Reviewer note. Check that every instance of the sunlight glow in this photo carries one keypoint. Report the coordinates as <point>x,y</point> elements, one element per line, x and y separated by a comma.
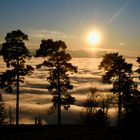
<point>94,38</point>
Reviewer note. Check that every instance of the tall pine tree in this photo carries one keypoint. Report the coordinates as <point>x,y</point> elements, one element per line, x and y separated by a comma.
<point>118,72</point>
<point>59,68</point>
<point>14,54</point>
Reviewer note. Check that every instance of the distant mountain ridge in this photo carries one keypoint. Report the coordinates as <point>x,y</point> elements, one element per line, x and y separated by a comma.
<point>80,53</point>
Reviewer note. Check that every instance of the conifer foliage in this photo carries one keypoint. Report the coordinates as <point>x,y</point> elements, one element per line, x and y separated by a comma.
<point>14,53</point>
<point>59,68</point>
<point>119,73</point>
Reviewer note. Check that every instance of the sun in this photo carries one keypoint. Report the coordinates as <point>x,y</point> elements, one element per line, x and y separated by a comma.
<point>94,38</point>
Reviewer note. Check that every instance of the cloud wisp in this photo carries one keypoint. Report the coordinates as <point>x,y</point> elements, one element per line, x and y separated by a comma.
<point>122,44</point>
<point>112,18</point>
<point>50,34</point>
<point>36,35</point>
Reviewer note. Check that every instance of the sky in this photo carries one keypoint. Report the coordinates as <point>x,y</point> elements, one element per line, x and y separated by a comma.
<point>118,22</point>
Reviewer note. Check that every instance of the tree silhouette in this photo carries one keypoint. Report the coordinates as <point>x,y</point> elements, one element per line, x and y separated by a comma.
<point>118,72</point>
<point>59,68</point>
<point>92,113</point>
<point>138,70</point>
<point>88,116</point>
<point>7,80</point>
<point>131,103</point>
<point>14,53</point>
<point>3,112</point>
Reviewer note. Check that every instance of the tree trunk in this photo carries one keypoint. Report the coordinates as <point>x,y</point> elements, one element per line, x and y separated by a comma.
<point>10,116</point>
<point>59,96</point>
<point>119,109</point>
<point>119,103</point>
<point>17,97</point>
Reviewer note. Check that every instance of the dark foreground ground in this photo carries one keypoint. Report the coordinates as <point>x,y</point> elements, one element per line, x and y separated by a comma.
<point>67,132</point>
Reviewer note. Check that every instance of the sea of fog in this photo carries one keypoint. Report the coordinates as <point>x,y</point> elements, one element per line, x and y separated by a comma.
<point>35,99</point>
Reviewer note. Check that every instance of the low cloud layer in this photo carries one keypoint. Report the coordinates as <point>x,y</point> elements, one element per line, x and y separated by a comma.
<point>35,99</point>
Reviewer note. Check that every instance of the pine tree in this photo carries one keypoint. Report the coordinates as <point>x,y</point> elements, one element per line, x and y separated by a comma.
<point>14,53</point>
<point>59,68</point>
<point>117,72</point>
